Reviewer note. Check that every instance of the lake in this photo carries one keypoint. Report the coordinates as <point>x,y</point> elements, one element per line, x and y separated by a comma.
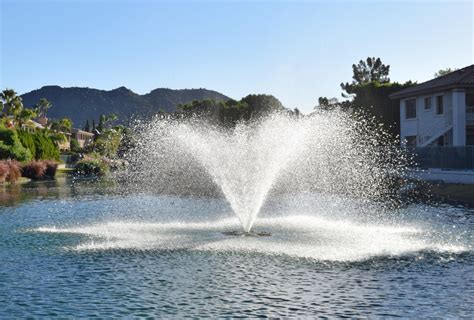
<point>83,248</point>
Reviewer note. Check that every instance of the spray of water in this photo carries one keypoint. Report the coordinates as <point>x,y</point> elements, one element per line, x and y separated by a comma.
<point>331,152</point>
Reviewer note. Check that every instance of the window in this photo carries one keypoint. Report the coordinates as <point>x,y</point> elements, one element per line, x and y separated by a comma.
<point>439,104</point>
<point>410,109</point>
<point>428,103</point>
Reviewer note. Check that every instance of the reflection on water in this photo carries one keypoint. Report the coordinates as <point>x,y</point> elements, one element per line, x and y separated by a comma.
<point>63,187</point>
<point>83,248</point>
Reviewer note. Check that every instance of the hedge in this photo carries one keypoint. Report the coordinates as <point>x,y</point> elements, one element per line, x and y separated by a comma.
<point>40,145</point>
<point>11,146</point>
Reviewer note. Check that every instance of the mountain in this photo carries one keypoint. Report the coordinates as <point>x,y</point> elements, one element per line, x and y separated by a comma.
<point>82,104</point>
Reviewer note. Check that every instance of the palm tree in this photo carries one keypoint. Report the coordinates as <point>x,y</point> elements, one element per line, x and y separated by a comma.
<point>43,107</point>
<point>11,102</point>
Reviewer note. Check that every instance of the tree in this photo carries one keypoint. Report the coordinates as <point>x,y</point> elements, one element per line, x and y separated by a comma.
<point>43,107</point>
<point>87,127</point>
<point>443,72</point>
<point>65,125</point>
<point>104,120</point>
<point>230,112</point>
<point>11,103</point>
<point>371,70</point>
<point>330,104</point>
<point>24,115</point>
<point>100,126</point>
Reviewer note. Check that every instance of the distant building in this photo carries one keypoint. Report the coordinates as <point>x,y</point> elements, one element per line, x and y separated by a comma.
<point>65,145</point>
<point>83,138</point>
<point>439,112</point>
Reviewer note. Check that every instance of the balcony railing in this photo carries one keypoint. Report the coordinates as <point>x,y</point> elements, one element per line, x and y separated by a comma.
<point>460,158</point>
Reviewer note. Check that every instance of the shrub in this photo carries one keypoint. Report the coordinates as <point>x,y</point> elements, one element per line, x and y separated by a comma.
<point>34,170</point>
<point>11,147</point>
<point>4,170</point>
<point>27,141</point>
<point>39,170</point>
<point>91,167</point>
<point>75,145</point>
<point>14,172</point>
<point>45,147</point>
<point>51,168</point>
<point>40,145</point>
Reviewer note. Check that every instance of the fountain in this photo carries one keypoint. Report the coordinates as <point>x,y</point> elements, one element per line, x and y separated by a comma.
<point>279,154</point>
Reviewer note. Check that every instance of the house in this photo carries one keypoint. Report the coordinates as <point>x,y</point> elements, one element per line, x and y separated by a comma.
<point>439,112</point>
<point>84,138</point>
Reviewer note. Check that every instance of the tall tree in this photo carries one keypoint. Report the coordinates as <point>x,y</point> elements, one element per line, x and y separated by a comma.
<point>43,107</point>
<point>87,127</point>
<point>101,124</point>
<point>11,102</point>
<point>370,70</point>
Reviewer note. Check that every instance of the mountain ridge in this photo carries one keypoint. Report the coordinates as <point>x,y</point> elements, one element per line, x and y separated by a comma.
<point>83,103</point>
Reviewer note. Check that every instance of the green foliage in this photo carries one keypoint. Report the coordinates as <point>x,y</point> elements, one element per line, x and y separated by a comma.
<point>40,145</point>
<point>26,114</point>
<point>11,146</point>
<point>45,147</point>
<point>91,167</point>
<point>27,141</point>
<point>230,112</point>
<point>75,146</point>
<point>371,70</point>
<point>87,127</point>
<point>63,125</point>
<point>373,100</point>
<point>11,102</point>
<point>43,107</point>
<point>107,143</point>
<point>105,121</point>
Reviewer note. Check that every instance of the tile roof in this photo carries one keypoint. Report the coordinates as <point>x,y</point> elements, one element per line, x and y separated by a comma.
<point>462,78</point>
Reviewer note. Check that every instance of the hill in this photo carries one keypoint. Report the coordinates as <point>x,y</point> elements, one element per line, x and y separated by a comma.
<point>81,104</point>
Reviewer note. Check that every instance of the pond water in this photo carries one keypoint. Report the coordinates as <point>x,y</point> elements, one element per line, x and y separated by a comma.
<point>82,249</point>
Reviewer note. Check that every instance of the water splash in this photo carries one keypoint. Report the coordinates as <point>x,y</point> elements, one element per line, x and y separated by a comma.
<point>330,152</point>
<point>296,235</point>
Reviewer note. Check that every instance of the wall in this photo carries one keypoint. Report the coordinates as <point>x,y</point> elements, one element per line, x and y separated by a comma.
<point>427,122</point>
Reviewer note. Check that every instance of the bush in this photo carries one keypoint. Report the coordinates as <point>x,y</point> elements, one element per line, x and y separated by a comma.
<point>14,172</point>
<point>45,147</point>
<point>11,146</point>
<point>91,167</point>
<point>27,141</point>
<point>41,146</point>
<point>75,146</point>
<point>4,170</point>
<point>39,170</point>
<point>51,168</point>
<point>34,170</point>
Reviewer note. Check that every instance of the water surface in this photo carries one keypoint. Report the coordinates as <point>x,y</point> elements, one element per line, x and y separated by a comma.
<point>82,249</point>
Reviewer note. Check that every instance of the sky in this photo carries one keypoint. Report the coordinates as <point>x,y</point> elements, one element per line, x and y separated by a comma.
<point>294,50</point>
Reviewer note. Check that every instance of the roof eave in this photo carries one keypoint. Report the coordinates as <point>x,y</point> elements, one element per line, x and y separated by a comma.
<point>402,94</point>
